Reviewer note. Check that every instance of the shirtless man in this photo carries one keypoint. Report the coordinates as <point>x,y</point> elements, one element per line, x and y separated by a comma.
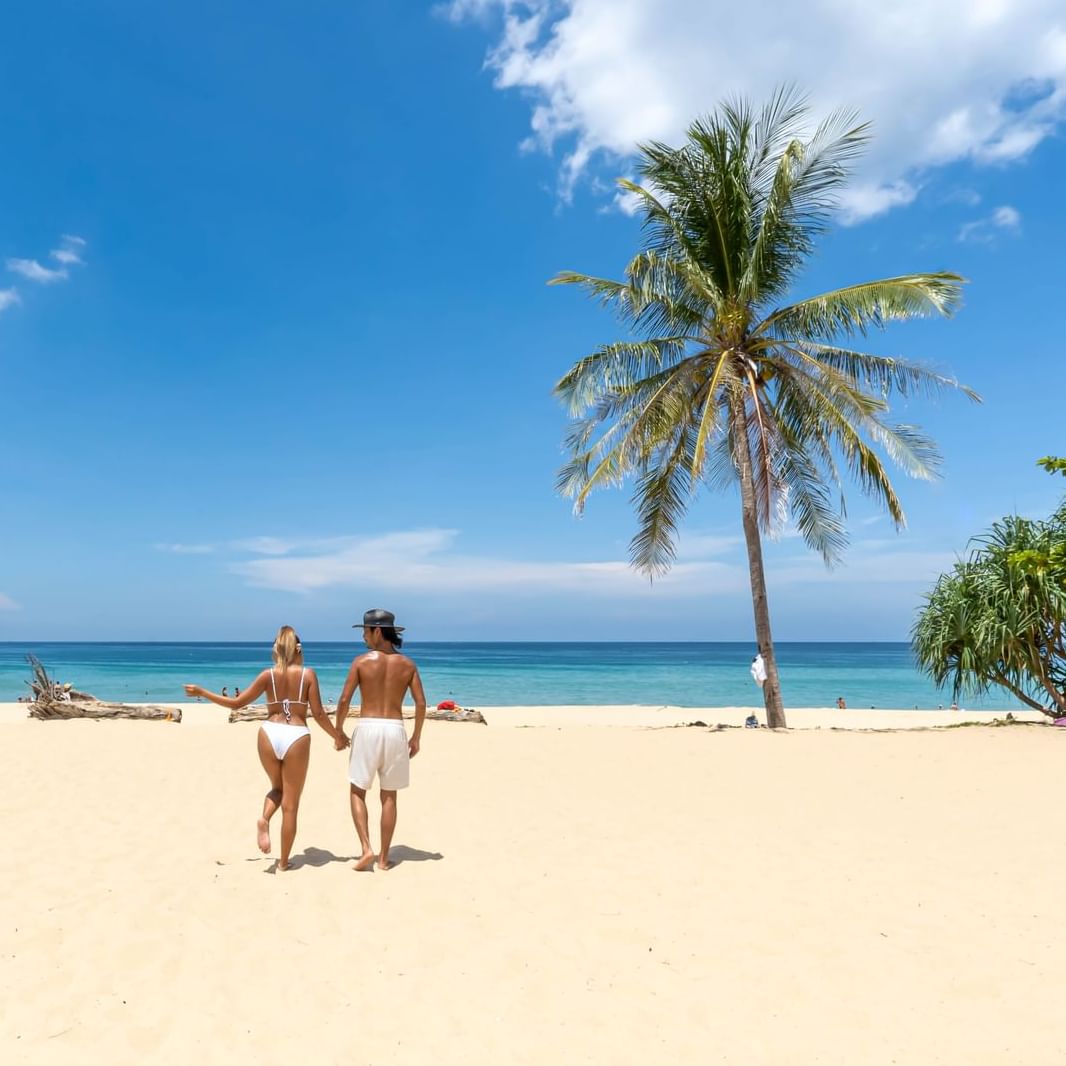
<point>380,744</point>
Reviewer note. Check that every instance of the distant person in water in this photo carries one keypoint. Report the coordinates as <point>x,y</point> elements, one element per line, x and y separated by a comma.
<point>236,691</point>
<point>841,705</point>
<point>284,741</point>
<point>224,692</point>
<point>380,746</point>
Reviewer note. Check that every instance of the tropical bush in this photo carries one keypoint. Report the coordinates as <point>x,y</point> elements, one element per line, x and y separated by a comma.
<point>998,618</point>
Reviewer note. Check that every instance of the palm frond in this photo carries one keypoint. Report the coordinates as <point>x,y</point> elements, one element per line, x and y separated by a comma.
<point>794,206</point>
<point>712,407</point>
<point>858,308</point>
<point>821,402</point>
<point>640,418</point>
<point>615,366</point>
<point>661,497</point>
<point>781,122</point>
<point>819,523</point>
<point>884,374</point>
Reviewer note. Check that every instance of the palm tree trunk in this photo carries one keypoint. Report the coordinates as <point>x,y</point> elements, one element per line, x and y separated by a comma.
<point>771,690</point>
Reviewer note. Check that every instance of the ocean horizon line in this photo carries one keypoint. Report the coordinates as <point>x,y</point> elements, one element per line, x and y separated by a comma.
<point>412,641</point>
<point>519,673</point>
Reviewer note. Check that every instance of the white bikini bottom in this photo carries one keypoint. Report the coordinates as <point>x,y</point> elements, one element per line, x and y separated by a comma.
<point>282,736</point>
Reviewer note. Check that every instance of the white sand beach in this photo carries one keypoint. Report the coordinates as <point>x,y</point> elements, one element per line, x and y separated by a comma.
<point>564,893</point>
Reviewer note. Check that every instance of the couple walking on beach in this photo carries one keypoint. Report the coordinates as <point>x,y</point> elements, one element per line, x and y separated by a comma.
<point>379,746</point>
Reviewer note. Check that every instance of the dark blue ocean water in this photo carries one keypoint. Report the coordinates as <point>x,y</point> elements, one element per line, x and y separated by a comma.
<point>686,675</point>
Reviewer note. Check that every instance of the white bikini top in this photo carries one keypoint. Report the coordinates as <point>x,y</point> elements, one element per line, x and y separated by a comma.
<point>286,703</point>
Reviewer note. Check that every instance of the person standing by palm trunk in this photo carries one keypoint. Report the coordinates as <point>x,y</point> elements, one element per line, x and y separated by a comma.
<point>722,384</point>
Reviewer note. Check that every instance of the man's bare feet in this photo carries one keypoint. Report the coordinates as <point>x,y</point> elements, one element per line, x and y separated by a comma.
<point>264,836</point>
<point>283,867</point>
<point>384,864</point>
<point>365,861</point>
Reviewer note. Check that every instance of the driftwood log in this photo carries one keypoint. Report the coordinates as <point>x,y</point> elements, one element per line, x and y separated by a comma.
<point>54,712</point>
<point>258,713</point>
<point>54,702</point>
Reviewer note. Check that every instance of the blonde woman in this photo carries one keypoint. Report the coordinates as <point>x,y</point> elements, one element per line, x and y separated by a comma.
<point>284,741</point>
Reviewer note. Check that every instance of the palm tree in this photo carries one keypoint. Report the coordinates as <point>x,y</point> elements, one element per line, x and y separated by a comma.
<point>719,383</point>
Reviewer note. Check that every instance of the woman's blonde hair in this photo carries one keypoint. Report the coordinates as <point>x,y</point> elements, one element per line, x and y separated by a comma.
<point>286,647</point>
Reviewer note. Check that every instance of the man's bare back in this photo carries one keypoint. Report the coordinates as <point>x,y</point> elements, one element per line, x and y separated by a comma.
<point>383,676</point>
<point>383,680</point>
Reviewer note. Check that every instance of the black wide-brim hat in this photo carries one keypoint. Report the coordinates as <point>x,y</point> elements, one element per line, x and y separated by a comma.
<point>378,619</point>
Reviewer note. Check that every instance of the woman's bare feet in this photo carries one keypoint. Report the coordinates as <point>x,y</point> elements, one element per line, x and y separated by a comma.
<point>365,861</point>
<point>264,835</point>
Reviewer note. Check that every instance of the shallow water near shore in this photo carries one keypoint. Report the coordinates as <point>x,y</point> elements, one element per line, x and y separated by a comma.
<point>500,674</point>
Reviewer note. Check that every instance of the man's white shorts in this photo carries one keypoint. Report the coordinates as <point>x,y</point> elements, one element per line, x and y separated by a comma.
<point>380,747</point>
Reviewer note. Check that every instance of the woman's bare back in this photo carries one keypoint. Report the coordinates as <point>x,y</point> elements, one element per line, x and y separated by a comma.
<point>285,684</point>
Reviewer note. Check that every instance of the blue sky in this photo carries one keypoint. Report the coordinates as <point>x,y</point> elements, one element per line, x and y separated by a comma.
<point>277,344</point>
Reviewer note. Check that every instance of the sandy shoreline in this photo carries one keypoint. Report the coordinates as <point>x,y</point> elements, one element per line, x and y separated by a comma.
<point>621,715</point>
<point>564,894</point>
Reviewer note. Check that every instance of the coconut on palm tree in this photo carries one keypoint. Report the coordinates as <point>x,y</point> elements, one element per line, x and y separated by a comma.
<point>722,382</point>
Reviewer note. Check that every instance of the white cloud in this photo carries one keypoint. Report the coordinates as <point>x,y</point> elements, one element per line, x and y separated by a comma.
<point>186,549</point>
<point>965,196</point>
<point>9,297</point>
<point>703,545</point>
<point>866,199</point>
<point>426,561</point>
<point>983,80</point>
<point>7,603</point>
<point>69,251</point>
<point>34,271</point>
<point>430,562</point>
<point>265,545</point>
<point>1005,219</point>
<point>870,563</point>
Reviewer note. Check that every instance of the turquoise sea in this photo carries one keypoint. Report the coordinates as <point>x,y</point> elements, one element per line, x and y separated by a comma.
<point>686,675</point>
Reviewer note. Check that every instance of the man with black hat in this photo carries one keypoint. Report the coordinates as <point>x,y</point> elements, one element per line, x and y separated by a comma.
<point>380,745</point>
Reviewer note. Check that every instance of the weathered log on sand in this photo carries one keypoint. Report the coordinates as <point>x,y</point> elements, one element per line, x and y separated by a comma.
<point>52,711</point>
<point>55,702</point>
<point>460,714</point>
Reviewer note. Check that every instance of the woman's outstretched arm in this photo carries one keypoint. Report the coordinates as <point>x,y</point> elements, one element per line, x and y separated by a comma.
<point>234,703</point>
<point>314,701</point>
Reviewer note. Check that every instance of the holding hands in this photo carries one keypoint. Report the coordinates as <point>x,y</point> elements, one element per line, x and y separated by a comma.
<point>341,741</point>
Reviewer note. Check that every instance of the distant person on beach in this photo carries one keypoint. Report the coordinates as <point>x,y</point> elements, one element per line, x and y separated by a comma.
<point>291,689</point>
<point>236,691</point>
<point>841,704</point>
<point>379,744</point>
<point>224,692</point>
